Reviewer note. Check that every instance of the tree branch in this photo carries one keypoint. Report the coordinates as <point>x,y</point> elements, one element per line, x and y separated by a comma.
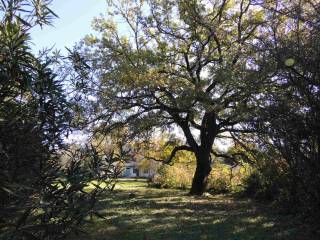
<point>172,155</point>
<point>177,149</point>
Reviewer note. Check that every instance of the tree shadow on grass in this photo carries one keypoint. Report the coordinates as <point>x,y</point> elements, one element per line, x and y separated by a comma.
<point>151,214</point>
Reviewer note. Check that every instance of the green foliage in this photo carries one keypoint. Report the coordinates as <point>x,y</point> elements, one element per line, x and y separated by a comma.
<point>286,117</point>
<point>55,202</point>
<point>262,186</point>
<point>39,197</point>
<point>222,179</point>
<point>272,179</point>
<point>164,64</point>
<point>177,176</point>
<point>225,178</point>
<point>219,185</point>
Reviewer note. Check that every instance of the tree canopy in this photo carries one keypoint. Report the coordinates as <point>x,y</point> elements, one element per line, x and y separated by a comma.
<point>161,81</point>
<point>189,64</point>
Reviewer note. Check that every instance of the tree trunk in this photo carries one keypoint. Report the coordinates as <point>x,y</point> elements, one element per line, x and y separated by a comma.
<point>203,169</point>
<point>208,132</point>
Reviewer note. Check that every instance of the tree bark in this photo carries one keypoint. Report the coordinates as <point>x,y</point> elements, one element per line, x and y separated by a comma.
<point>203,169</point>
<point>208,133</point>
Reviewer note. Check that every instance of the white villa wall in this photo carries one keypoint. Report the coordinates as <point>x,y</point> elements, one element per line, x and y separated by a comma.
<point>146,174</point>
<point>131,170</point>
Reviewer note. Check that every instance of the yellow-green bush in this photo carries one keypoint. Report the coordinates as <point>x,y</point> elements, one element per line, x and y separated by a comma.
<point>223,178</point>
<point>176,176</point>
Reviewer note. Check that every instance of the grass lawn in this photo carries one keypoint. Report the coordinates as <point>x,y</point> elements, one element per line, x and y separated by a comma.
<point>135,211</point>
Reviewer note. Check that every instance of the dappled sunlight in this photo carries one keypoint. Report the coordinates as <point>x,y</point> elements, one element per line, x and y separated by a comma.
<point>168,120</point>
<point>136,211</point>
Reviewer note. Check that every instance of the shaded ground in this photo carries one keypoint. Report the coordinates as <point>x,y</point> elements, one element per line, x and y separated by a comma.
<point>137,212</point>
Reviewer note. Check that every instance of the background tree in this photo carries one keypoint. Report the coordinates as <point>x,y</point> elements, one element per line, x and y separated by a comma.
<point>184,64</point>
<point>287,113</point>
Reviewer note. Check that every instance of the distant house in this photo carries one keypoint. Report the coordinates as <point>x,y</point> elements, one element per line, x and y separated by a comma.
<point>132,170</point>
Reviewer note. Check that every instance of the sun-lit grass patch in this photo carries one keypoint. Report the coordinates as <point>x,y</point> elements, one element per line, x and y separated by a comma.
<point>268,224</point>
<point>255,219</point>
<point>135,211</point>
<point>216,221</point>
<point>93,184</point>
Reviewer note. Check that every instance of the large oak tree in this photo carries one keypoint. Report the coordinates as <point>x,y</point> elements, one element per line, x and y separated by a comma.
<point>177,63</point>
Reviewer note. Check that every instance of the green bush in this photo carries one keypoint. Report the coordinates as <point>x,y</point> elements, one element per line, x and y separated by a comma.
<point>263,185</point>
<point>219,185</point>
<point>177,176</point>
<point>252,184</point>
<point>40,198</point>
<point>223,178</point>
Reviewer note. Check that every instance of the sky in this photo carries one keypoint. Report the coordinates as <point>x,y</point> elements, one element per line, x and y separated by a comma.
<point>74,22</point>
